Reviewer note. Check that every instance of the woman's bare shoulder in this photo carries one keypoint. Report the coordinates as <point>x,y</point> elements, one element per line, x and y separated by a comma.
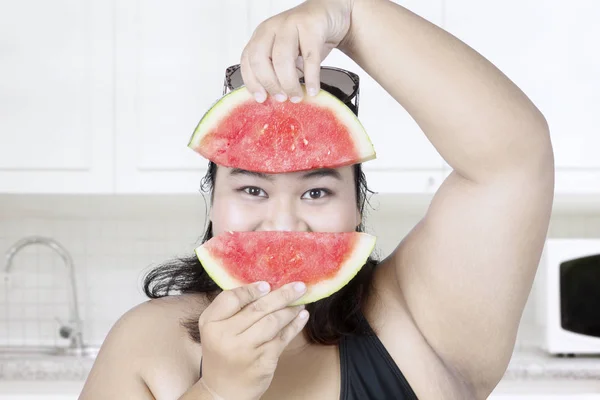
<point>160,322</point>
<point>148,342</point>
<point>173,307</point>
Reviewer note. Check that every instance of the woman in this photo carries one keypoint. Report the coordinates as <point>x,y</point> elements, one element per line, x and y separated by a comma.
<point>437,319</point>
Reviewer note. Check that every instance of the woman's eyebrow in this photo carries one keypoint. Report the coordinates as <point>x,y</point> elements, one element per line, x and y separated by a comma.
<point>323,172</point>
<point>318,173</point>
<point>239,171</point>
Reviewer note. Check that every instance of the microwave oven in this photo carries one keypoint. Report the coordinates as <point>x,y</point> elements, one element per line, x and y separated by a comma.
<point>569,280</point>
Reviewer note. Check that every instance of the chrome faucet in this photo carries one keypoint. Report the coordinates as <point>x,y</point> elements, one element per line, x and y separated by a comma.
<point>73,330</point>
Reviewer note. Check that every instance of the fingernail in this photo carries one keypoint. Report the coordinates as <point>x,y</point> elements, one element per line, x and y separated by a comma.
<point>312,91</point>
<point>303,314</point>
<point>260,97</point>
<point>296,99</point>
<point>263,287</point>
<point>280,97</point>
<point>299,287</point>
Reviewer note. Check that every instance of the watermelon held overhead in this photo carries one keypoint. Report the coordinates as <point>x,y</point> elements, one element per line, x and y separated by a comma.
<point>324,261</point>
<point>274,137</point>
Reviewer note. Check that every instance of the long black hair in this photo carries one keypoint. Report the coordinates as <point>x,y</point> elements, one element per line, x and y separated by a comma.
<point>330,318</point>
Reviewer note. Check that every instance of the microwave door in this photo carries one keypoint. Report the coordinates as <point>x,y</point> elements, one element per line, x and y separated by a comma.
<point>580,295</point>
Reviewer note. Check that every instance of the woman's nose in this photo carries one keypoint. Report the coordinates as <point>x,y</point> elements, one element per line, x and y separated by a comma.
<point>282,215</point>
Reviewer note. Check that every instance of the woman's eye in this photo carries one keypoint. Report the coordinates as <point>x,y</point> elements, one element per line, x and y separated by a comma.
<point>254,191</point>
<point>315,194</point>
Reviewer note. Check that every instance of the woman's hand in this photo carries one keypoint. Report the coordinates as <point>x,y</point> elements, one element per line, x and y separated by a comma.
<point>292,43</point>
<point>243,333</point>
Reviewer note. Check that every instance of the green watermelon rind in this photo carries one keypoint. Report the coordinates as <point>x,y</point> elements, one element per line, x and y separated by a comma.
<point>217,111</point>
<point>224,105</point>
<point>362,249</point>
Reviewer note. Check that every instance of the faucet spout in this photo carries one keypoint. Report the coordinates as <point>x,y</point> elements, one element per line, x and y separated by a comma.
<point>76,337</point>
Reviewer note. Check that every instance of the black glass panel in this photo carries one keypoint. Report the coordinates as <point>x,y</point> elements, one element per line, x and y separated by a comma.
<point>580,295</point>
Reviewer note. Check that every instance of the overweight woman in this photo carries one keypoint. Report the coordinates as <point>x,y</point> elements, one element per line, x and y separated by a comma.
<point>436,319</point>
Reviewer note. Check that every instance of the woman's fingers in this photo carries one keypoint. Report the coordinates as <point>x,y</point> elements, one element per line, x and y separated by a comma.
<point>251,81</point>
<point>310,50</point>
<point>272,61</point>
<point>275,346</point>
<point>257,70</point>
<point>271,325</point>
<point>285,53</point>
<point>229,302</point>
<point>259,62</point>
<point>276,300</point>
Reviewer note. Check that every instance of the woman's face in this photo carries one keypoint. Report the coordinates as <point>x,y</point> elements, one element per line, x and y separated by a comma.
<point>312,201</point>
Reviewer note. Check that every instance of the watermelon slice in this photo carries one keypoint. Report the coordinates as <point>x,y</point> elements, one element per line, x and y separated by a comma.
<point>325,261</point>
<point>274,137</point>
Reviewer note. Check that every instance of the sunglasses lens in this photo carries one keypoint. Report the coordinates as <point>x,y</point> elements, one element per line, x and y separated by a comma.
<point>235,79</point>
<point>338,83</point>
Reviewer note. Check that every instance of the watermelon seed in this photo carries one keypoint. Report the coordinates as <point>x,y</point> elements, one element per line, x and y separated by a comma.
<point>293,147</point>
<point>305,141</point>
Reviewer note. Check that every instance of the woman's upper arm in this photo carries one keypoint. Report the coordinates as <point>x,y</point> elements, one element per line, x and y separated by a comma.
<point>466,270</point>
<point>116,373</point>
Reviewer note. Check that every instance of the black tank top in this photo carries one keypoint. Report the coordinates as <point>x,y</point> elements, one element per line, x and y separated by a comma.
<point>368,372</point>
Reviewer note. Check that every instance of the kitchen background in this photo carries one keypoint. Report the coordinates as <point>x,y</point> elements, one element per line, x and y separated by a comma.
<point>99,98</point>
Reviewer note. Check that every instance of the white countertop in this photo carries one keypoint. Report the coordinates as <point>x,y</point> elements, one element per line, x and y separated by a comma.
<point>531,375</point>
<point>46,390</point>
<point>533,363</point>
<point>62,377</point>
<point>527,363</point>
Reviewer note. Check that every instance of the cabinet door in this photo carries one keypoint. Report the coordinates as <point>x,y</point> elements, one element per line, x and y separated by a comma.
<point>406,160</point>
<point>56,91</point>
<point>170,63</point>
<point>550,51</point>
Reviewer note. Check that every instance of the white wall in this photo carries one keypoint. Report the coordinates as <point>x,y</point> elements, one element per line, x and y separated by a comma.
<point>114,240</point>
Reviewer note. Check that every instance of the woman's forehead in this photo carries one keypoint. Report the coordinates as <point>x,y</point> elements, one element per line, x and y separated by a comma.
<point>341,174</point>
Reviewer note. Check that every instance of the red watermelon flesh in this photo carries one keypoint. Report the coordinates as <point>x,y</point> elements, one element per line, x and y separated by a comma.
<point>274,137</point>
<point>324,261</point>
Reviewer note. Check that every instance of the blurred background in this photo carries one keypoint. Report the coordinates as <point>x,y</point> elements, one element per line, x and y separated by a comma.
<point>98,99</point>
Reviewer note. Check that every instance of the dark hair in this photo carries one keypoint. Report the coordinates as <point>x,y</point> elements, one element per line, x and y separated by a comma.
<point>330,318</point>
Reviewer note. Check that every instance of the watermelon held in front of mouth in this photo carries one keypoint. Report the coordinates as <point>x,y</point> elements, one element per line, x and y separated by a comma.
<point>324,261</point>
<point>274,137</point>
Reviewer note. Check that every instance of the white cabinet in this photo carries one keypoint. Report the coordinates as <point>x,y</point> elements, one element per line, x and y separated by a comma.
<point>170,63</point>
<point>551,52</point>
<point>56,92</point>
<point>102,97</point>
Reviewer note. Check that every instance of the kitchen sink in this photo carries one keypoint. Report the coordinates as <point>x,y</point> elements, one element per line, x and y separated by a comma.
<point>34,351</point>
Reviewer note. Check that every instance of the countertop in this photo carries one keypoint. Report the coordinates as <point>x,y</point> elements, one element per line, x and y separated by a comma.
<point>45,368</point>
<point>531,363</point>
<point>527,363</point>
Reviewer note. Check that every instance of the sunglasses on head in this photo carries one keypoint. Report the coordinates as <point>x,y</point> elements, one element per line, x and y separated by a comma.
<point>343,84</point>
